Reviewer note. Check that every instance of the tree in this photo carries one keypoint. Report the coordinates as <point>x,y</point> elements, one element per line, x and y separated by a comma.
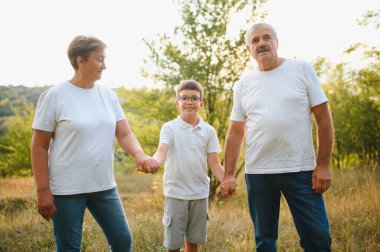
<point>354,98</point>
<point>202,48</point>
<point>371,17</point>
<point>15,143</point>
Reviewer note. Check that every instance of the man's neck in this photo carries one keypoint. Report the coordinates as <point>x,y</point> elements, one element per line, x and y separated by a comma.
<point>270,65</point>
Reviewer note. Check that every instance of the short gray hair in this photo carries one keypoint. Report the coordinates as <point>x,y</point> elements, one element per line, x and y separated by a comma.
<point>82,46</point>
<point>249,31</point>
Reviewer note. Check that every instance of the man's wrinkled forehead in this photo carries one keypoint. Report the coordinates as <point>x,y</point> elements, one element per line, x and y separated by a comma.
<point>270,30</point>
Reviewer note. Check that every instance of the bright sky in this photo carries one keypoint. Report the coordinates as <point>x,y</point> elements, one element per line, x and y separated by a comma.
<point>35,34</point>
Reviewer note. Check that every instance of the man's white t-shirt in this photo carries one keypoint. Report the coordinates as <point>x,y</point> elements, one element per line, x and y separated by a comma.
<point>82,148</point>
<point>276,106</point>
<point>185,175</point>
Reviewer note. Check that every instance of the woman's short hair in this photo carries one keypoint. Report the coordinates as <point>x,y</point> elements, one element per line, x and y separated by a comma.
<point>189,85</point>
<point>82,46</point>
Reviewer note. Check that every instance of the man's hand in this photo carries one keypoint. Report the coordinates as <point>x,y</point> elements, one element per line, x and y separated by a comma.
<point>321,179</point>
<point>45,204</point>
<point>228,186</point>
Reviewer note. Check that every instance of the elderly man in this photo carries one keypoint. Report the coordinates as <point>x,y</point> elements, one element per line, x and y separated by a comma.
<point>273,106</point>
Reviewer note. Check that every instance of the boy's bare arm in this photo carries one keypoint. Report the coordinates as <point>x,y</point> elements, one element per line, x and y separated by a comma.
<point>215,166</point>
<point>161,153</point>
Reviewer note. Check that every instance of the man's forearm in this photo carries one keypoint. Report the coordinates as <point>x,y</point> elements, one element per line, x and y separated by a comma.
<point>325,135</point>
<point>325,144</point>
<point>234,140</point>
<point>230,159</point>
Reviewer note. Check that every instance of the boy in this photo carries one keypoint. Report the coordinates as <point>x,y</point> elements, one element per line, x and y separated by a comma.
<point>185,144</point>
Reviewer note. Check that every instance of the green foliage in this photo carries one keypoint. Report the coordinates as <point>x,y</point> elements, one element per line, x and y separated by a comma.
<point>146,111</point>
<point>202,48</point>
<point>14,96</point>
<point>354,99</point>
<point>15,142</point>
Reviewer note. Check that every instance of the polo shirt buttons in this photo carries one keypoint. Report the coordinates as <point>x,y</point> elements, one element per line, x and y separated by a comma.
<point>192,138</point>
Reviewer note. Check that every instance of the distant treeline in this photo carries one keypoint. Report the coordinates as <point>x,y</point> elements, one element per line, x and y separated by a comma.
<point>12,97</point>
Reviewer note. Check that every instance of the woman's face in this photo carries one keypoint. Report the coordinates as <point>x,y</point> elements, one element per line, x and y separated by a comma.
<point>93,67</point>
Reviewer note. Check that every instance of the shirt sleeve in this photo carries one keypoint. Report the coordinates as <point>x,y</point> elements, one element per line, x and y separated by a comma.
<point>45,115</point>
<point>118,109</point>
<point>213,142</point>
<point>314,87</point>
<point>237,113</point>
<point>166,134</point>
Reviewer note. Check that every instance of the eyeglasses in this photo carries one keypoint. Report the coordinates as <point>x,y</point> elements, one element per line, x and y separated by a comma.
<point>194,99</point>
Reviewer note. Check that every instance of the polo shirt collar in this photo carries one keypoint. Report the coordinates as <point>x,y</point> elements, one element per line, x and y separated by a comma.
<point>187,125</point>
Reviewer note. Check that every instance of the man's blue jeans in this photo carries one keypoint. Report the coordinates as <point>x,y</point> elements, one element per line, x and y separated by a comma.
<point>307,208</point>
<point>107,210</point>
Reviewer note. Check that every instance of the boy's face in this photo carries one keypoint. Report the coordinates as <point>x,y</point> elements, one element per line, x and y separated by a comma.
<point>189,102</point>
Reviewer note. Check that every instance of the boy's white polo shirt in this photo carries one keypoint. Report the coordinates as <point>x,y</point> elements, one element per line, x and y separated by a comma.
<point>185,175</point>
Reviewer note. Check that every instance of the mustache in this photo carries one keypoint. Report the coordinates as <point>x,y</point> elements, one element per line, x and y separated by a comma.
<point>262,49</point>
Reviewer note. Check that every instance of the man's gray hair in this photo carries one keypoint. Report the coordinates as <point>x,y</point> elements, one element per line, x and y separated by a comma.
<point>249,31</point>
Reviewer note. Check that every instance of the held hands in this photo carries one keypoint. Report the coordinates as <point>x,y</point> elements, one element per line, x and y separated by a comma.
<point>147,164</point>
<point>45,204</point>
<point>228,186</point>
<point>151,165</point>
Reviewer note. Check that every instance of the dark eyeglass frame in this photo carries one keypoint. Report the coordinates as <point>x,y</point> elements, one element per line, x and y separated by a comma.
<point>193,99</point>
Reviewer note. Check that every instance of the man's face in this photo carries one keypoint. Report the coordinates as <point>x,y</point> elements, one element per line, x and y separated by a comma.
<point>262,44</point>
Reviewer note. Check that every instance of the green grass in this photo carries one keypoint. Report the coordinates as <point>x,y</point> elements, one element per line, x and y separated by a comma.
<point>353,206</point>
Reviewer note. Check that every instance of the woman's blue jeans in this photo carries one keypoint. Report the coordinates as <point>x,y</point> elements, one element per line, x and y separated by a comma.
<point>307,208</point>
<point>105,207</point>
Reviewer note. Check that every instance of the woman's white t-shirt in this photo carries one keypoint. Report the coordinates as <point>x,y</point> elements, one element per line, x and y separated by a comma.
<point>82,148</point>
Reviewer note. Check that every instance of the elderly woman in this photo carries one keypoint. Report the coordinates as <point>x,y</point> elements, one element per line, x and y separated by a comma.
<point>73,148</point>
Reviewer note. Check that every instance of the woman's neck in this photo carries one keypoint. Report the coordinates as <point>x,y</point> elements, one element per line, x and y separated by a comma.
<point>82,82</point>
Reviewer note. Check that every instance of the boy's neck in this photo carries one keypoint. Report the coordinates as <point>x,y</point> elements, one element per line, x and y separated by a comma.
<point>192,120</point>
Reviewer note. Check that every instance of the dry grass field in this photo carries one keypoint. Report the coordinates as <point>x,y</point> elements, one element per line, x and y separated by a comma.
<point>353,205</point>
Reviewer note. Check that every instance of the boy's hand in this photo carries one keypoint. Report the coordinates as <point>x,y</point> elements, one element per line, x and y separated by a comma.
<point>228,187</point>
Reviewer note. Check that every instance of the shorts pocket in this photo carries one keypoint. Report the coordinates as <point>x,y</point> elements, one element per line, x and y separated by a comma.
<point>167,221</point>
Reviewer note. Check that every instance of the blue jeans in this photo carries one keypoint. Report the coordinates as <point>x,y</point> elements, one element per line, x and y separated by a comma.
<point>307,208</point>
<point>105,207</point>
